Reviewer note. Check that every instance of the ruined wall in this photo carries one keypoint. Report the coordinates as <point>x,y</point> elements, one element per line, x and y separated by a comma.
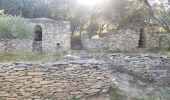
<point>52,81</point>
<point>93,44</point>
<point>15,46</point>
<point>122,40</point>
<point>154,68</point>
<point>53,32</point>
<point>155,40</point>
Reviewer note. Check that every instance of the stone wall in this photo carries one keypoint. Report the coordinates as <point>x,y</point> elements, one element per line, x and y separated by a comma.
<point>93,44</point>
<point>15,46</point>
<point>54,32</point>
<point>154,68</point>
<point>52,81</point>
<point>122,40</point>
<point>156,40</point>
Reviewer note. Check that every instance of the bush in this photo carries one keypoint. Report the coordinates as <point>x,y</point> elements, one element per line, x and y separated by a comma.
<point>14,27</point>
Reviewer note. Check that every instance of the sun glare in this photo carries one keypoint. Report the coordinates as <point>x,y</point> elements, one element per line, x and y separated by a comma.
<point>90,2</point>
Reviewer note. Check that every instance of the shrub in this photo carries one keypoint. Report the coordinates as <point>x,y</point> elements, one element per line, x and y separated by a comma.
<point>14,27</point>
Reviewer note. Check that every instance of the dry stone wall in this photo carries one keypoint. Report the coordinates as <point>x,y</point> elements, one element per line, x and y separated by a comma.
<point>93,44</point>
<point>52,81</point>
<point>154,68</point>
<point>156,40</point>
<point>122,40</point>
<point>16,46</point>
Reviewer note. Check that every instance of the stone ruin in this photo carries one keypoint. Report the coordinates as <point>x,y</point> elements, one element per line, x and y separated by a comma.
<point>52,37</point>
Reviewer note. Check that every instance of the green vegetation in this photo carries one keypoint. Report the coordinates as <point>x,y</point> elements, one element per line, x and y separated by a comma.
<point>159,50</point>
<point>151,95</point>
<point>160,93</point>
<point>14,27</point>
<point>135,79</point>
<point>115,94</point>
<point>29,57</point>
<point>74,98</point>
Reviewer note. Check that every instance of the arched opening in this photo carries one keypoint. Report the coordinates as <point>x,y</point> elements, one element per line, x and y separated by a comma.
<point>38,33</point>
<point>141,39</point>
<point>37,44</point>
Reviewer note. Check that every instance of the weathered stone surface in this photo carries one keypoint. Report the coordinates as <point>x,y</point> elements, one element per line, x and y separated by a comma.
<point>19,69</point>
<point>58,80</point>
<point>22,65</point>
<point>149,67</point>
<point>35,73</point>
<point>92,91</point>
<point>121,39</point>
<point>54,32</point>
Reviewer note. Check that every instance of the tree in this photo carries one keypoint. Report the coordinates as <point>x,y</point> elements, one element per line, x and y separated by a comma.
<point>13,7</point>
<point>62,9</point>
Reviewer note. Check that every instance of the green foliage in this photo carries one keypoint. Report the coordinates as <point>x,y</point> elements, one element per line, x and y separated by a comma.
<point>151,95</point>
<point>160,50</point>
<point>26,8</point>
<point>160,93</point>
<point>14,27</point>
<point>115,94</point>
<point>74,98</point>
<point>62,10</point>
<point>135,79</point>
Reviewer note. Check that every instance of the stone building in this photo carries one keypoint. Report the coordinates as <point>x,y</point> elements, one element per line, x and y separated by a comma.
<point>50,36</point>
<point>53,35</point>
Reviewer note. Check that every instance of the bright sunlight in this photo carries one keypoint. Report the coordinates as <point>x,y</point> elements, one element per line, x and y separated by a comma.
<point>90,2</point>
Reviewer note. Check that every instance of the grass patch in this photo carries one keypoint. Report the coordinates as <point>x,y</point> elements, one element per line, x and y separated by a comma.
<point>74,98</point>
<point>160,93</point>
<point>152,95</point>
<point>116,50</point>
<point>115,94</point>
<point>29,57</point>
<point>135,79</point>
<point>159,50</point>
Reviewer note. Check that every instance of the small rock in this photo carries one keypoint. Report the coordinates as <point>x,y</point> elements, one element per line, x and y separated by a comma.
<point>126,77</point>
<point>141,83</point>
<point>58,73</point>
<point>92,91</point>
<point>21,65</point>
<point>71,57</point>
<point>98,86</point>
<point>36,73</point>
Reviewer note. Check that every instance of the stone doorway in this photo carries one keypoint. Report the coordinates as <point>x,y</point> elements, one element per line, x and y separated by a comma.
<point>76,43</point>
<point>141,39</point>
<point>37,43</point>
